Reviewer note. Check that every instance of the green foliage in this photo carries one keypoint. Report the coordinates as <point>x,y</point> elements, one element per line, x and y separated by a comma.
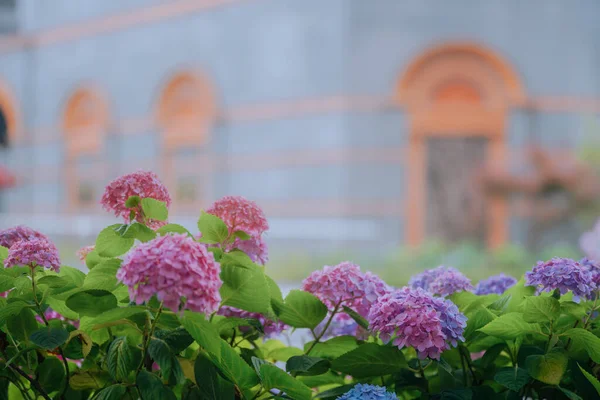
<point>300,310</point>
<point>213,229</point>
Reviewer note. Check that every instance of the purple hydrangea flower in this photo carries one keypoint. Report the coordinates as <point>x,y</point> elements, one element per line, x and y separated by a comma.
<point>594,268</point>
<point>362,391</point>
<point>272,328</point>
<point>255,247</point>
<point>563,274</point>
<point>413,317</point>
<point>10,236</point>
<point>35,252</point>
<point>496,284</point>
<point>441,281</point>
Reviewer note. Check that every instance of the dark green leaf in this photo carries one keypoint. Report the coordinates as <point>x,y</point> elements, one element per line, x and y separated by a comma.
<point>133,201</point>
<point>178,339</point>
<point>513,378</point>
<point>570,395</point>
<point>591,378</point>
<point>548,368</point>
<point>110,244</point>
<point>210,383</point>
<point>274,378</point>
<point>119,359</point>
<point>370,359</point>
<point>82,380</point>
<point>22,325</point>
<point>306,365</point>
<point>457,394</point>
<point>234,368</point>
<point>300,310</point>
<point>113,392</point>
<point>151,387</point>
<point>333,347</point>
<point>540,309</point>
<point>49,338</point>
<point>92,302</point>
<point>213,229</point>
<point>11,309</point>
<point>51,374</point>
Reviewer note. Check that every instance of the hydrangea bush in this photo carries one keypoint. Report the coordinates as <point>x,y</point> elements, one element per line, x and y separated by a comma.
<point>164,313</point>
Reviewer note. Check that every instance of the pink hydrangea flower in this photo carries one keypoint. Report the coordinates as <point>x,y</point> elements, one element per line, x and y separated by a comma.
<point>413,317</point>
<point>271,327</point>
<point>172,267</point>
<point>255,248</point>
<point>10,236</point>
<point>143,184</point>
<point>240,214</point>
<point>33,253</point>
<point>50,314</point>
<point>84,251</point>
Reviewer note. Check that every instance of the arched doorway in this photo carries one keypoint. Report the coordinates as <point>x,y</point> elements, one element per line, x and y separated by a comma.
<point>457,97</point>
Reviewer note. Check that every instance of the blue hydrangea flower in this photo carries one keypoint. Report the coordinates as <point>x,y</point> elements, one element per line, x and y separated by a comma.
<point>496,284</point>
<point>563,274</point>
<point>368,392</point>
<point>441,281</point>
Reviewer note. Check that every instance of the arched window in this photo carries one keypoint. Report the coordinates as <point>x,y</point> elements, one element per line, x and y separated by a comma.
<point>85,124</point>
<point>186,112</point>
<point>456,97</point>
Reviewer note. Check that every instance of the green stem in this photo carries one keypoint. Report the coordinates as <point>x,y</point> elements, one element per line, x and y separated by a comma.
<point>318,337</point>
<point>422,371</point>
<point>148,338</point>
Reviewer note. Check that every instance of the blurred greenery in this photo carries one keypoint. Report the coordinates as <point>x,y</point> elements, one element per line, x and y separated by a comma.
<point>398,266</point>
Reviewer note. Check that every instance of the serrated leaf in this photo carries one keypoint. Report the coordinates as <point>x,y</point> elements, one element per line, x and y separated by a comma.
<point>587,340</point>
<point>178,339</point>
<point>11,309</point>
<point>274,378</point>
<point>22,325</point>
<point>119,359</point>
<point>300,310</point>
<point>234,368</point>
<point>155,209</point>
<point>49,338</point>
<point>53,281</point>
<point>110,244</point>
<point>84,338</point>
<point>203,332</point>
<point>151,387</point>
<point>103,276</point>
<point>509,326</point>
<point>172,228</point>
<point>370,359</point>
<point>306,365</point>
<point>91,302</point>
<point>480,318</point>
<point>113,392</point>
<point>363,323</point>
<point>210,383</point>
<point>540,309</point>
<point>333,347</point>
<point>139,231</point>
<point>213,229</point>
<point>548,368</point>
<point>246,289</point>
<point>513,378</point>
<point>82,380</point>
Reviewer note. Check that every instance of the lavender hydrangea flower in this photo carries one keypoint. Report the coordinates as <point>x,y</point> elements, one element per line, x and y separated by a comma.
<point>35,252</point>
<point>413,317</point>
<point>364,391</point>
<point>497,284</point>
<point>590,242</point>
<point>441,281</point>
<point>594,268</point>
<point>563,274</point>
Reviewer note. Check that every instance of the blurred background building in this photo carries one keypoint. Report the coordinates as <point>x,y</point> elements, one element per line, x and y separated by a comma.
<point>354,124</point>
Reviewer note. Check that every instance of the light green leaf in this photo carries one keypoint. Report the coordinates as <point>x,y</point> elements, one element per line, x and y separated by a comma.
<point>91,303</point>
<point>172,228</point>
<point>155,209</point>
<point>509,326</point>
<point>370,359</point>
<point>203,332</point>
<point>234,368</point>
<point>548,368</point>
<point>482,317</point>
<point>3,253</point>
<point>274,289</point>
<point>517,294</point>
<point>362,322</point>
<point>117,313</point>
<point>110,244</point>
<point>540,309</point>
<point>587,340</point>
<point>334,347</point>
<point>82,380</point>
<point>591,378</point>
<point>573,309</point>
<point>140,232</point>
<point>246,289</point>
<point>103,276</point>
<point>133,201</point>
<point>53,281</point>
<point>213,229</point>
<point>7,282</point>
<point>274,378</point>
<point>300,310</point>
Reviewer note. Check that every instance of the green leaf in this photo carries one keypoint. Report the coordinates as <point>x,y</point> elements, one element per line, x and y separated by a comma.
<point>573,309</point>
<point>370,359</point>
<point>151,387</point>
<point>22,325</point>
<point>160,352</point>
<point>7,282</point>
<point>50,374</point>
<point>53,281</point>
<point>333,347</point>
<point>570,395</point>
<point>49,338</point>
<point>586,340</point>
<point>213,229</point>
<point>83,339</point>
<point>110,244</point>
<point>540,309</point>
<point>513,378</point>
<point>306,365</point>
<point>119,359</point>
<point>11,309</point>
<point>457,394</point>
<point>363,323</point>
<point>300,310</point>
<point>481,318</point>
<point>234,368</point>
<point>91,379</point>
<point>246,289</point>
<point>118,313</point>
<point>177,340</point>
<point>172,228</point>
<point>509,326</point>
<point>203,332</point>
<point>92,302</point>
<point>155,209</point>
<point>517,294</point>
<point>73,274</point>
<point>140,232</point>
<point>274,289</point>
<point>274,378</point>
<point>133,201</point>
<point>591,378</point>
<point>113,392</point>
<point>212,386</point>
<point>103,276</point>
<point>3,253</point>
<point>548,368</point>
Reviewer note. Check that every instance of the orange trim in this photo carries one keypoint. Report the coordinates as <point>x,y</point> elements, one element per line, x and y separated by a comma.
<point>498,87</point>
<point>9,104</point>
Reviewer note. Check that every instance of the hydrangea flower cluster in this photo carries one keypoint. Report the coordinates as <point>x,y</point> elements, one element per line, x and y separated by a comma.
<point>362,391</point>
<point>271,328</point>
<point>143,184</point>
<point>590,242</point>
<point>240,214</point>
<point>441,281</point>
<point>563,274</point>
<point>594,268</point>
<point>255,248</point>
<point>172,267</point>
<point>10,236</point>
<point>496,284</point>
<point>413,317</point>
<point>35,252</point>
<point>84,251</point>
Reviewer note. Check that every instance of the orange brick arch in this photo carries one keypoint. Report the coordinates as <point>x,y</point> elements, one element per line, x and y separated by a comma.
<point>456,89</point>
